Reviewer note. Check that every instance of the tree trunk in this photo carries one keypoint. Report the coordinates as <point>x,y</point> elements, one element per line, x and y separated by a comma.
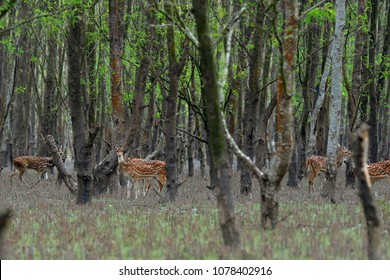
<point>82,140</point>
<point>250,119</point>
<point>280,161</point>
<point>48,99</point>
<point>216,139</point>
<point>116,17</point>
<point>335,105</point>
<point>175,70</point>
<point>354,93</point>
<point>134,132</point>
<point>371,210</point>
<point>319,104</point>
<point>64,174</point>
<point>373,96</point>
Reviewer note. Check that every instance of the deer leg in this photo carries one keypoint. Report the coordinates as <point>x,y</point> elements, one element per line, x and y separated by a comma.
<point>13,174</point>
<point>128,188</point>
<point>21,173</point>
<point>136,188</point>
<point>39,179</point>
<point>149,184</point>
<point>310,178</point>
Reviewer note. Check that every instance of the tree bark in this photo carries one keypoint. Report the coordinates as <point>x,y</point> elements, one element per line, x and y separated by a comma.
<point>134,132</point>
<point>82,140</point>
<point>373,94</point>
<point>175,70</point>
<point>354,93</point>
<point>371,210</point>
<point>216,139</point>
<point>280,161</point>
<point>64,174</point>
<point>335,104</point>
<point>250,115</point>
<point>116,17</point>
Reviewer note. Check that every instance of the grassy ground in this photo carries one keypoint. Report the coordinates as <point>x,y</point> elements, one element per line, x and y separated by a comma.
<point>47,224</point>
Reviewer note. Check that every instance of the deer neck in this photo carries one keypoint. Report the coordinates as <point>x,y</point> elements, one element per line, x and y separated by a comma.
<point>121,159</point>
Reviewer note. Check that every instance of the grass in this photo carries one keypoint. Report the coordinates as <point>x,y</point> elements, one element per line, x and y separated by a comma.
<point>47,224</point>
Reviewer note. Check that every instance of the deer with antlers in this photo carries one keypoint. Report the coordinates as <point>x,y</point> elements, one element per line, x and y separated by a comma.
<point>39,164</point>
<point>317,164</point>
<point>137,169</point>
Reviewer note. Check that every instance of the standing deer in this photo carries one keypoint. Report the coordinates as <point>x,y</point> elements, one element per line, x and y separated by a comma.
<point>39,164</point>
<point>317,164</point>
<point>137,169</point>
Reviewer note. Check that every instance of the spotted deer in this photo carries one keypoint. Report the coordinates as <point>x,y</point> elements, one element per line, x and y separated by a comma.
<point>137,169</point>
<point>39,164</point>
<point>379,170</point>
<point>317,164</point>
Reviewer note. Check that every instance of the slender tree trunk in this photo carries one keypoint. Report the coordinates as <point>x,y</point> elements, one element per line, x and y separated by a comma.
<point>134,133</point>
<point>116,17</point>
<point>354,93</point>
<point>373,97</point>
<point>319,104</point>
<point>252,98</point>
<point>216,139</point>
<point>175,70</point>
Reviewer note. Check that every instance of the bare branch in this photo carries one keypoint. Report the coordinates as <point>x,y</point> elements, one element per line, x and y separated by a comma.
<point>191,135</point>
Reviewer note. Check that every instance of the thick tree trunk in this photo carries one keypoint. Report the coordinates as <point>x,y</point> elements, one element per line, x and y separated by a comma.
<point>82,140</point>
<point>216,139</point>
<point>335,105</point>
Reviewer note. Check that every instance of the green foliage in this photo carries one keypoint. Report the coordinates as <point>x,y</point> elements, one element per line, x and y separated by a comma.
<point>325,12</point>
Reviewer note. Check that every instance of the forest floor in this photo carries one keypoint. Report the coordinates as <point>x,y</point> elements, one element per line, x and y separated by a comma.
<point>47,224</point>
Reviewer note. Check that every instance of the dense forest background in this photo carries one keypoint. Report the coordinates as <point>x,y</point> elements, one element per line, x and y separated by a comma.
<point>285,77</point>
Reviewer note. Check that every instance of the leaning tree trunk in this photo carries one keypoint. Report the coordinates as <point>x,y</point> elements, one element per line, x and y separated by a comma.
<point>319,104</point>
<point>335,105</point>
<point>371,210</point>
<point>82,140</point>
<point>64,174</point>
<point>216,139</point>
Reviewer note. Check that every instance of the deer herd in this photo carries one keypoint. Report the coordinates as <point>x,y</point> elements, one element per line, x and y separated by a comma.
<point>136,170</point>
